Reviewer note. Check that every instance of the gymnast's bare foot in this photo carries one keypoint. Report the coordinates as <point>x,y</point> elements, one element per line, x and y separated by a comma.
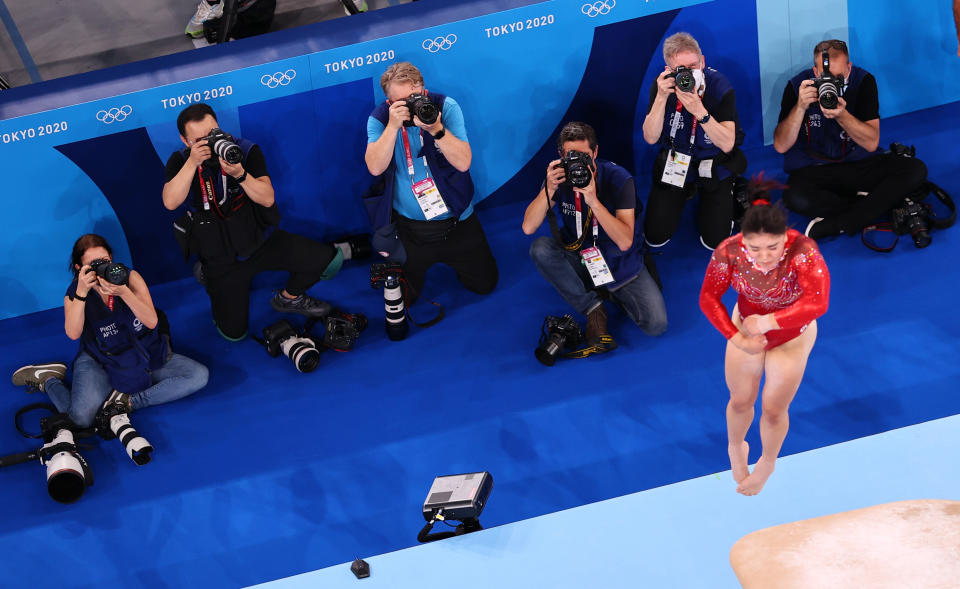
<point>739,459</point>
<point>761,472</point>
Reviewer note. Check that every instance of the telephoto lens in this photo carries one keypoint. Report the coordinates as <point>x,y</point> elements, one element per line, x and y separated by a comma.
<point>302,352</point>
<point>827,94</point>
<point>224,146</point>
<point>396,320</point>
<point>421,107</point>
<point>137,447</point>
<point>66,475</point>
<point>557,334</point>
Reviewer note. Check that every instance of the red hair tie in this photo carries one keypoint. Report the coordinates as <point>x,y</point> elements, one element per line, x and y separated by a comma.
<point>761,201</point>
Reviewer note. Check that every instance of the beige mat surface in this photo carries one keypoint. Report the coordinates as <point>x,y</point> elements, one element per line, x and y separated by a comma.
<point>902,545</point>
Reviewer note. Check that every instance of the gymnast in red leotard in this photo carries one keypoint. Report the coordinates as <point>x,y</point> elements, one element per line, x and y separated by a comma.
<point>783,286</point>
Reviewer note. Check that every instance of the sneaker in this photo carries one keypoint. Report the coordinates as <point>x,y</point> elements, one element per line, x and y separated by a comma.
<point>35,376</point>
<point>354,6</point>
<point>205,11</point>
<point>121,400</point>
<point>820,228</point>
<point>302,305</point>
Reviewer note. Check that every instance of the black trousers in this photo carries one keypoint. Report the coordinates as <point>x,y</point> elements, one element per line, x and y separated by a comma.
<point>465,249</point>
<point>830,190</point>
<point>228,285</point>
<point>665,207</point>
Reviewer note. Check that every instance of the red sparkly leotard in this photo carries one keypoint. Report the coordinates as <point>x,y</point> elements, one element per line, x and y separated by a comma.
<point>796,290</point>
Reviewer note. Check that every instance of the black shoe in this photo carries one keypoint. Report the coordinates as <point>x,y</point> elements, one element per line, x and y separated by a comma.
<point>35,376</point>
<point>304,305</point>
<point>820,228</point>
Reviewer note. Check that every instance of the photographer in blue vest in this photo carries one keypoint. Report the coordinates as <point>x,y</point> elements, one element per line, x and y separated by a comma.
<point>837,176</point>
<point>124,356</point>
<point>231,223</point>
<point>692,116</point>
<point>595,253</point>
<point>421,206</point>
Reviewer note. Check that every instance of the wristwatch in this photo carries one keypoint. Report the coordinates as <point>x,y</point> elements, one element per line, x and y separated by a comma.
<point>440,133</point>
<point>705,119</point>
<point>243,177</point>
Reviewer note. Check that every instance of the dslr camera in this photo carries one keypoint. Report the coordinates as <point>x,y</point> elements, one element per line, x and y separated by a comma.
<point>683,78</point>
<point>343,329</point>
<point>578,167</point>
<point>224,146</point>
<point>388,276</point>
<point>421,107</point>
<point>557,334</point>
<point>113,421</point>
<point>911,217</point>
<point>829,87</point>
<point>112,272</point>
<point>281,337</point>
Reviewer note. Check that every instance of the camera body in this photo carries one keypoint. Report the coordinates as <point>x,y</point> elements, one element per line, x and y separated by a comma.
<point>557,334</point>
<point>421,107</point>
<point>578,167</point>
<point>684,79</point>
<point>911,217</point>
<point>224,146</point>
<point>282,338</point>
<point>829,87</point>
<point>112,272</point>
<point>343,329</point>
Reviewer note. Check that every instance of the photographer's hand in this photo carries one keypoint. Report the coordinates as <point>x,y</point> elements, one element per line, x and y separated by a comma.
<point>199,153</point>
<point>399,113</point>
<point>692,102</point>
<point>556,176</point>
<point>233,170</point>
<point>665,85</point>
<point>835,113</point>
<point>806,96</point>
<point>432,129</point>
<point>86,280</point>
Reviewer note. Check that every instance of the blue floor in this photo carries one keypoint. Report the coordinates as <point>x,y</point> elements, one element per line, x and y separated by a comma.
<point>651,538</point>
<point>267,473</point>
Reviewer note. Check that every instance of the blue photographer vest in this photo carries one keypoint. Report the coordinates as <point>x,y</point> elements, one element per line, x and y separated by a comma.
<point>455,187</point>
<point>610,180</point>
<point>703,149</point>
<point>234,227</point>
<point>126,348</point>
<point>822,140</point>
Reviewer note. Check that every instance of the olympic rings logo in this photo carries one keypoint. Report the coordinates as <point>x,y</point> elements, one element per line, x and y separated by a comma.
<point>278,79</point>
<point>114,114</point>
<point>439,43</point>
<point>598,8</point>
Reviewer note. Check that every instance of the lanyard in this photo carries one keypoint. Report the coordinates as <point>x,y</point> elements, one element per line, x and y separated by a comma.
<point>207,191</point>
<point>409,154</point>
<point>581,225</point>
<point>110,302</point>
<point>675,124</point>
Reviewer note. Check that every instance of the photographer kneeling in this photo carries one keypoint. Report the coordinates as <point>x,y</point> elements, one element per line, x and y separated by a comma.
<point>421,206</point>
<point>231,225</point>
<point>598,246</point>
<point>123,357</point>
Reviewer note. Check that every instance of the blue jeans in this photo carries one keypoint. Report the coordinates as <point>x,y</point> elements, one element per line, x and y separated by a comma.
<point>640,298</point>
<point>176,379</point>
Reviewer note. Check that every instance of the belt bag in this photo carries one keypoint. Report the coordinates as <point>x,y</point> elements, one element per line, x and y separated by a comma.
<point>426,232</point>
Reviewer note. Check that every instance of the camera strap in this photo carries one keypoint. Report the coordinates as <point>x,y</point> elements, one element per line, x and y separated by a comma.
<point>935,222</point>
<point>675,124</point>
<point>555,226</point>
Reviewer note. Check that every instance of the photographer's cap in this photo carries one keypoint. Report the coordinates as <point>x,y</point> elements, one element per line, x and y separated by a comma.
<point>386,242</point>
